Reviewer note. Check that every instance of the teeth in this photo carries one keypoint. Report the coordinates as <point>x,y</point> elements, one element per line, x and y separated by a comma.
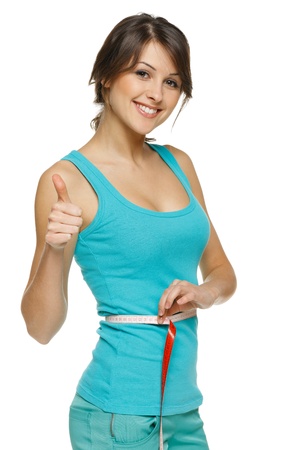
<point>147,110</point>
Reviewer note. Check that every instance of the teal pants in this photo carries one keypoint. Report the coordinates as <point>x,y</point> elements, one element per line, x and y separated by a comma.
<point>93,429</point>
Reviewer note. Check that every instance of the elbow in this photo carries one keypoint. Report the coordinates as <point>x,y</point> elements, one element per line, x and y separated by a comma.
<point>230,285</point>
<point>38,332</point>
<point>39,336</point>
<point>233,283</point>
<point>226,287</point>
<point>231,288</point>
<point>40,340</point>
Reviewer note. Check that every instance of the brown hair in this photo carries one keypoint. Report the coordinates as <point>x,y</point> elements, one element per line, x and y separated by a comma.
<point>124,45</point>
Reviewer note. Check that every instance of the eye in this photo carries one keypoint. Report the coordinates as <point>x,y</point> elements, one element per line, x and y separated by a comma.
<point>142,73</point>
<point>172,83</point>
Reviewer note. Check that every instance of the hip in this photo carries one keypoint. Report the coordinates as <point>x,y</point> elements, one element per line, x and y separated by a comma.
<point>91,428</point>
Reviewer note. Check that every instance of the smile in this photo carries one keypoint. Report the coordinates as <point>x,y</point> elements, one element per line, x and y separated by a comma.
<point>146,109</point>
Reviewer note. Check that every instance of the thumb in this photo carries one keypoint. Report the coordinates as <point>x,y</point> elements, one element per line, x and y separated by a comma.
<point>61,188</point>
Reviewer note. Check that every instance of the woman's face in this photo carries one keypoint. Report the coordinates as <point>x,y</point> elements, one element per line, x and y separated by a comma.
<point>145,96</point>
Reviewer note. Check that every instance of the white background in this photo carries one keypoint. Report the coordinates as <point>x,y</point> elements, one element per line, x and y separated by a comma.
<point>242,131</point>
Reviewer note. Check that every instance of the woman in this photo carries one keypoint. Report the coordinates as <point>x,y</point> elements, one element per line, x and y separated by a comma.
<point>134,217</point>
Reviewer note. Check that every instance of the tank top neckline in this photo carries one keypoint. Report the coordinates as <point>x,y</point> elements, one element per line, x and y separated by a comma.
<point>167,157</point>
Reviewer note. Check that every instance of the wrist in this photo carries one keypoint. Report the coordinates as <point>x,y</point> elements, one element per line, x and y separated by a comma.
<point>210,295</point>
<point>53,250</point>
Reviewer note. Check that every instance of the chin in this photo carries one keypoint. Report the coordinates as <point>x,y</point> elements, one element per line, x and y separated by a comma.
<point>144,128</point>
<point>143,131</point>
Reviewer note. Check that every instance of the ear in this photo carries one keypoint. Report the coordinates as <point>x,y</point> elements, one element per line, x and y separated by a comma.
<point>105,84</point>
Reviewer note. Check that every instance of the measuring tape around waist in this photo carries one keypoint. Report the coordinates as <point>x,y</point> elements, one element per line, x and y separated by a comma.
<point>150,319</point>
<point>169,342</point>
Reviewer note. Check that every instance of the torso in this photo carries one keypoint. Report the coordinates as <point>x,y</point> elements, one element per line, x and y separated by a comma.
<point>151,185</point>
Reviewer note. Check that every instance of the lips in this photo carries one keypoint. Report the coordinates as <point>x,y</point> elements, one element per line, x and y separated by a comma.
<point>147,110</point>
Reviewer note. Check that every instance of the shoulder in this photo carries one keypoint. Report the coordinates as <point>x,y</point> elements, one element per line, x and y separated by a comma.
<point>189,170</point>
<point>66,170</point>
<point>62,167</point>
<point>79,190</point>
<point>184,161</point>
<point>179,155</point>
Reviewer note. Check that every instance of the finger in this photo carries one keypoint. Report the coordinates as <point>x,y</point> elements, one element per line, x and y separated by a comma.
<point>169,312</point>
<point>174,293</point>
<point>68,214</point>
<point>165,300</point>
<point>55,227</point>
<point>162,303</point>
<point>175,282</point>
<point>61,188</point>
<point>175,308</point>
<point>58,240</point>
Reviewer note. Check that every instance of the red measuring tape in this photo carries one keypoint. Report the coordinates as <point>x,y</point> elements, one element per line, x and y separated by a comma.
<point>167,350</point>
<point>165,365</point>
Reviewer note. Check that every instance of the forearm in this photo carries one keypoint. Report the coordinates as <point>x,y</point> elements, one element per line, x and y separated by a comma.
<point>221,283</point>
<point>44,304</point>
<point>217,287</point>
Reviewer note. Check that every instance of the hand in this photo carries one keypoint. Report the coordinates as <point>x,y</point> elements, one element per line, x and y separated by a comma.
<point>65,220</point>
<point>183,296</point>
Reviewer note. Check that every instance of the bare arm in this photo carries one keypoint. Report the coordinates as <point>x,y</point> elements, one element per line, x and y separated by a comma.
<point>219,280</point>
<point>44,302</point>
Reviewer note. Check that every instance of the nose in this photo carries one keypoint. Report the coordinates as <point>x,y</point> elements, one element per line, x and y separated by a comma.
<point>154,92</point>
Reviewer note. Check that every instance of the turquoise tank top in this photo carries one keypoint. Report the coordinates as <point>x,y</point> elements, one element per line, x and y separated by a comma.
<point>128,256</point>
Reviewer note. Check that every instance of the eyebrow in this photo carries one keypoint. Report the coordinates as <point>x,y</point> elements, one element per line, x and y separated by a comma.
<point>153,68</point>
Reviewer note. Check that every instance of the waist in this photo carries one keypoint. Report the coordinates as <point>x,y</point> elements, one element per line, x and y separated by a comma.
<point>150,319</point>
<point>169,342</point>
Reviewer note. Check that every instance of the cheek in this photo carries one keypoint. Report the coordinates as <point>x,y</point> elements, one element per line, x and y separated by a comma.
<point>113,98</point>
<point>123,86</point>
<point>173,101</point>
<point>120,91</point>
<point>177,98</point>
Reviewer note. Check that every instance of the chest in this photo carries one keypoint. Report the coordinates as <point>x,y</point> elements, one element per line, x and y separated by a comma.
<point>155,188</point>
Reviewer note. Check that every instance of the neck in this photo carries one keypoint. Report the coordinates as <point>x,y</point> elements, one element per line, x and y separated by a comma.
<point>117,145</point>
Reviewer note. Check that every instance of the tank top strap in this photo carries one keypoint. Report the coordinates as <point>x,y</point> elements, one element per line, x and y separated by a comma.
<point>104,188</point>
<point>89,171</point>
<point>94,175</point>
<point>171,161</point>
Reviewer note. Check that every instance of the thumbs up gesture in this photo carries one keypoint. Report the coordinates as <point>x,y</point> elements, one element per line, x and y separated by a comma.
<point>65,219</point>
